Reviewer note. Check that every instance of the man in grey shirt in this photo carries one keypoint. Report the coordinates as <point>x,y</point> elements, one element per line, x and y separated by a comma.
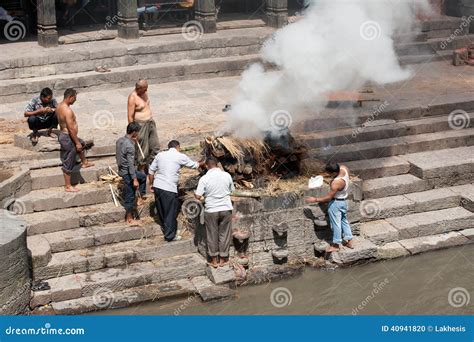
<point>215,187</point>
<point>163,178</point>
<point>132,178</point>
<point>41,114</point>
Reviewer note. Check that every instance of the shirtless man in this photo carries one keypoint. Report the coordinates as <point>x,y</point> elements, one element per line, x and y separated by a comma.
<point>139,111</point>
<point>337,207</point>
<point>71,144</point>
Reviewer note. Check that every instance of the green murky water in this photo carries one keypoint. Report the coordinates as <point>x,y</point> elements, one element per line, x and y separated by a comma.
<point>439,282</point>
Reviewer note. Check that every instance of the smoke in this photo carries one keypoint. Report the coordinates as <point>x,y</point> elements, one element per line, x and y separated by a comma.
<point>338,45</point>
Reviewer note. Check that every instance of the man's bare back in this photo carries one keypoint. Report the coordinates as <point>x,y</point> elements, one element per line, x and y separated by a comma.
<point>71,144</point>
<point>139,103</point>
<point>65,114</point>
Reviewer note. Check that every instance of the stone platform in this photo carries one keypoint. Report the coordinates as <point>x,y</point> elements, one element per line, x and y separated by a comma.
<point>415,202</point>
<point>413,192</point>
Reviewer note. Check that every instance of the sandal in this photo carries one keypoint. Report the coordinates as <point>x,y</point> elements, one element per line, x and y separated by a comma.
<point>40,286</point>
<point>34,139</point>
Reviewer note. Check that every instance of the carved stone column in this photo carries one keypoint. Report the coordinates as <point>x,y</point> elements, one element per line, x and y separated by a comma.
<point>205,13</point>
<point>276,13</point>
<point>128,19</point>
<point>47,33</point>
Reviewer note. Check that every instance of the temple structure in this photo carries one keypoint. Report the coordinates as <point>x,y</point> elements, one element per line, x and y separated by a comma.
<point>47,15</point>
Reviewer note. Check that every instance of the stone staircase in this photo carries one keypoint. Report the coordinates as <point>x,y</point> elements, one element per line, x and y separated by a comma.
<point>172,58</point>
<point>416,196</point>
<point>416,199</point>
<point>79,244</point>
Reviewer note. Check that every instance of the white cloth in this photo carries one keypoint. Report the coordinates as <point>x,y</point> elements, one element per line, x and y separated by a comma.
<point>4,15</point>
<point>216,186</point>
<point>166,166</point>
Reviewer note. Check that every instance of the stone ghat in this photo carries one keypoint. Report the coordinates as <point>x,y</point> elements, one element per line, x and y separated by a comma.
<point>413,196</point>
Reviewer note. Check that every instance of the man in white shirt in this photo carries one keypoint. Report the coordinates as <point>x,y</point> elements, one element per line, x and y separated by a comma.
<point>163,177</point>
<point>215,187</point>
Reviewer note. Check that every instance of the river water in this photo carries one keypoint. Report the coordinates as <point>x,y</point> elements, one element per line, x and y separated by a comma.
<point>440,282</point>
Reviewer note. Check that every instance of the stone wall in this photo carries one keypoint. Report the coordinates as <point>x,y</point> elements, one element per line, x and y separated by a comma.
<point>461,8</point>
<point>17,185</point>
<point>15,284</point>
<point>282,227</point>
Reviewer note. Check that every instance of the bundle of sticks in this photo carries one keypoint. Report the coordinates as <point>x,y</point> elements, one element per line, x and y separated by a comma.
<point>251,161</point>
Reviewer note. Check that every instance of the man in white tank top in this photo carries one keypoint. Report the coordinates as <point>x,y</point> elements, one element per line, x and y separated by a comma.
<point>337,207</point>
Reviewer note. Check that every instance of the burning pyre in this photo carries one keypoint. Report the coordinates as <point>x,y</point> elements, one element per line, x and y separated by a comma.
<point>252,161</point>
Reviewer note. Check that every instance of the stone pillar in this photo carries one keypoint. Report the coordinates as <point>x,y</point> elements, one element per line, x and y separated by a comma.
<point>128,19</point>
<point>15,281</point>
<point>47,33</point>
<point>276,13</point>
<point>205,13</point>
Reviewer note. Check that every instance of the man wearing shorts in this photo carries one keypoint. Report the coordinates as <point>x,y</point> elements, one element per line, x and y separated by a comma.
<point>71,144</point>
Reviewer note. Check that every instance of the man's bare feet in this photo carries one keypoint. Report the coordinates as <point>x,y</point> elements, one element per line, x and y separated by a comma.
<point>223,261</point>
<point>348,244</point>
<point>71,189</point>
<point>50,133</point>
<point>213,262</point>
<point>134,222</point>
<point>332,248</point>
<point>87,164</point>
<point>34,138</point>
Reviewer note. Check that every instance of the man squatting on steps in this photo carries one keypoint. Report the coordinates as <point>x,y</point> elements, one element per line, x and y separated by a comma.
<point>337,207</point>
<point>163,177</point>
<point>215,187</point>
<point>40,112</point>
<point>139,111</point>
<point>71,144</point>
<point>133,179</point>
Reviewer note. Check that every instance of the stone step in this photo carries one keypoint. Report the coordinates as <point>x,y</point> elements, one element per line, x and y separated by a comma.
<point>108,255</point>
<point>358,118</point>
<point>467,195</point>
<point>379,129</point>
<point>46,178</point>
<point>400,205</point>
<point>425,244</point>
<point>109,299</point>
<point>115,279</point>
<point>104,144</point>
<point>393,185</point>
<point>199,287</point>
<point>455,162</point>
<point>433,45</point>
<point>442,22</point>
<point>19,89</point>
<point>446,167</point>
<point>363,250</point>
<point>63,219</point>
<point>84,237</point>
<point>396,146</point>
<point>379,167</point>
<point>84,57</point>
<point>417,225</point>
<point>57,198</point>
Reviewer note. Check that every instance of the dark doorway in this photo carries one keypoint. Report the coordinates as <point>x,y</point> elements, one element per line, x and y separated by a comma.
<point>229,10</point>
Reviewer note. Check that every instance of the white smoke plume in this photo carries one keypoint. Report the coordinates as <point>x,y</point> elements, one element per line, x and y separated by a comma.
<point>337,45</point>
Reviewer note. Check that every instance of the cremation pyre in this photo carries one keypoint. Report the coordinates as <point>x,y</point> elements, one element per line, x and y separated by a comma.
<point>252,161</point>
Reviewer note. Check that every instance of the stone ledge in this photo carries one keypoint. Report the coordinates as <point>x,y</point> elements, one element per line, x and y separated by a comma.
<point>379,232</point>
<point>433,242</point>
<point>363,250</point>
<point>391,250</point>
